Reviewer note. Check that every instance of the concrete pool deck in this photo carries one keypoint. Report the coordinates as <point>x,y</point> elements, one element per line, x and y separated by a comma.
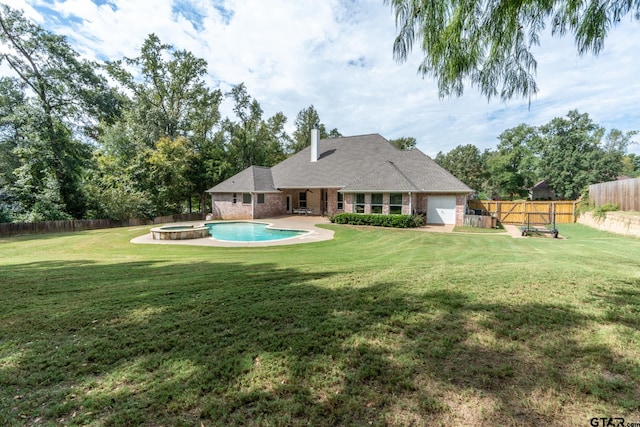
<point>297,222</point>
<point>292,222</point>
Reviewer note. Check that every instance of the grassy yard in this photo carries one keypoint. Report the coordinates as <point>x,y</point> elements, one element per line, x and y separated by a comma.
<point>376,327</point>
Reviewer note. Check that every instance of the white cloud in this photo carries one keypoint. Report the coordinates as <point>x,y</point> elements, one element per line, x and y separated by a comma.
<point>337,55</point>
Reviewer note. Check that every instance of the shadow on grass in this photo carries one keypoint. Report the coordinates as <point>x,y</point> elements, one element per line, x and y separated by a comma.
<point>622,305</point>
<point>237,344</point>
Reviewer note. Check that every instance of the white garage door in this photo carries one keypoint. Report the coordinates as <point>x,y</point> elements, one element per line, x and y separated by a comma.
<point>441,209</point>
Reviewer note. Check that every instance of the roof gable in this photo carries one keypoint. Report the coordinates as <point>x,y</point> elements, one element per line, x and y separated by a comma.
<point>254,179</point>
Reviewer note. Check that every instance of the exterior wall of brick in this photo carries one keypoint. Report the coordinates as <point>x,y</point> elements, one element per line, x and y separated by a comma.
<point>406,208</point>
<point>420,204</point>
<point>332,202</point>
<point>461,208</point>
<point>223,206</point>
<point>348,202</point>
<point>274,205</point>
<point>367,203</point>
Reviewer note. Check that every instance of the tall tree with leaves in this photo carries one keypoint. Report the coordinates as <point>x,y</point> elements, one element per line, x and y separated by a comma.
<point>631,165</point>
<point>490,42</point>
<point>250,140</point>
<point>171,105</point>
<point>513,167</point>
<point>12,116</point>
<point>466,163</point>
<point>615,145</point>
<point>67,99</point>
<point>306,120</point>
<point>572,155</point>
<point>169,166</point>
<point>170,96</point>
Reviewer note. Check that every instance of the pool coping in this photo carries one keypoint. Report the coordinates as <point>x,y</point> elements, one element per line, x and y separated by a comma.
<point>306,223</point>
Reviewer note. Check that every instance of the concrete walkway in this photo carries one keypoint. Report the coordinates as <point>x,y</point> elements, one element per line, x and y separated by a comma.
<point>513,231</point>
<point>437,228</point>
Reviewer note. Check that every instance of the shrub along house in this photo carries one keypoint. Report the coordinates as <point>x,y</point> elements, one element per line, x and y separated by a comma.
<point>358,174</point>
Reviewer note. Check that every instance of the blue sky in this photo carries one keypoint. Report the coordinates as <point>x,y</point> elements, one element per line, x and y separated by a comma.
<point>337,56</point>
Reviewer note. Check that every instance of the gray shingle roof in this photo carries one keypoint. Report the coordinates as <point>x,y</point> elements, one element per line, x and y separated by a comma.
<point>254,179</point>
<point>358,163</point>
<point>340,162</point>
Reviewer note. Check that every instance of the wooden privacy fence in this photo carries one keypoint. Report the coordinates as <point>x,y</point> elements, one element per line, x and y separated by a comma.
<point>526,211</point>
<point>624,193</point>
<point>17,228</point>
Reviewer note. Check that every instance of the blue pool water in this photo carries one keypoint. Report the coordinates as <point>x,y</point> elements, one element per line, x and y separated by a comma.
<point>249,232</point>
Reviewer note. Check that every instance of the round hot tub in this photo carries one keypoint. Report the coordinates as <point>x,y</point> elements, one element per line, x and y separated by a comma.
<point>180,232</point>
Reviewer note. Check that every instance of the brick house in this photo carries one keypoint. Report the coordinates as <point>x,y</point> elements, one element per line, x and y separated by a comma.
<point>361,174</point>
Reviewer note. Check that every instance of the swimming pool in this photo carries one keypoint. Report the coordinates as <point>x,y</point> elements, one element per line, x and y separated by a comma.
<point>249,232</point>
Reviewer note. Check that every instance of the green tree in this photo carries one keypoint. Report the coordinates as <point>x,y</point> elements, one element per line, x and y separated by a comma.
<point>334,133</point>
<point>572,155</point>
<point>12,102</point>
<point>209,162</point>
<point>116,180</point>
<point>67,99</point>
<point>631,165</point>
<point>170,95</point>
<point>306,120</point>
<point>615,146</point>
<point>169,165</point>
<point>467,164</point>
<point>170,102</point>
<point>404,143</point>
<point>113,192</point>
<point>513,167</point>
<point>251,140</point>
<point>489,43</point>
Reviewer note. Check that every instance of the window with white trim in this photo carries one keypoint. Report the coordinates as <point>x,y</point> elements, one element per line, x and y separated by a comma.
<point>395,203</point>
<point>340,201</point>
<point>376,203</point>
<point>358,206</point>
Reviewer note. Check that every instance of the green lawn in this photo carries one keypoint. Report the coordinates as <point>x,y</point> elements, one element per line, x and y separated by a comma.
<point>376,327</point>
